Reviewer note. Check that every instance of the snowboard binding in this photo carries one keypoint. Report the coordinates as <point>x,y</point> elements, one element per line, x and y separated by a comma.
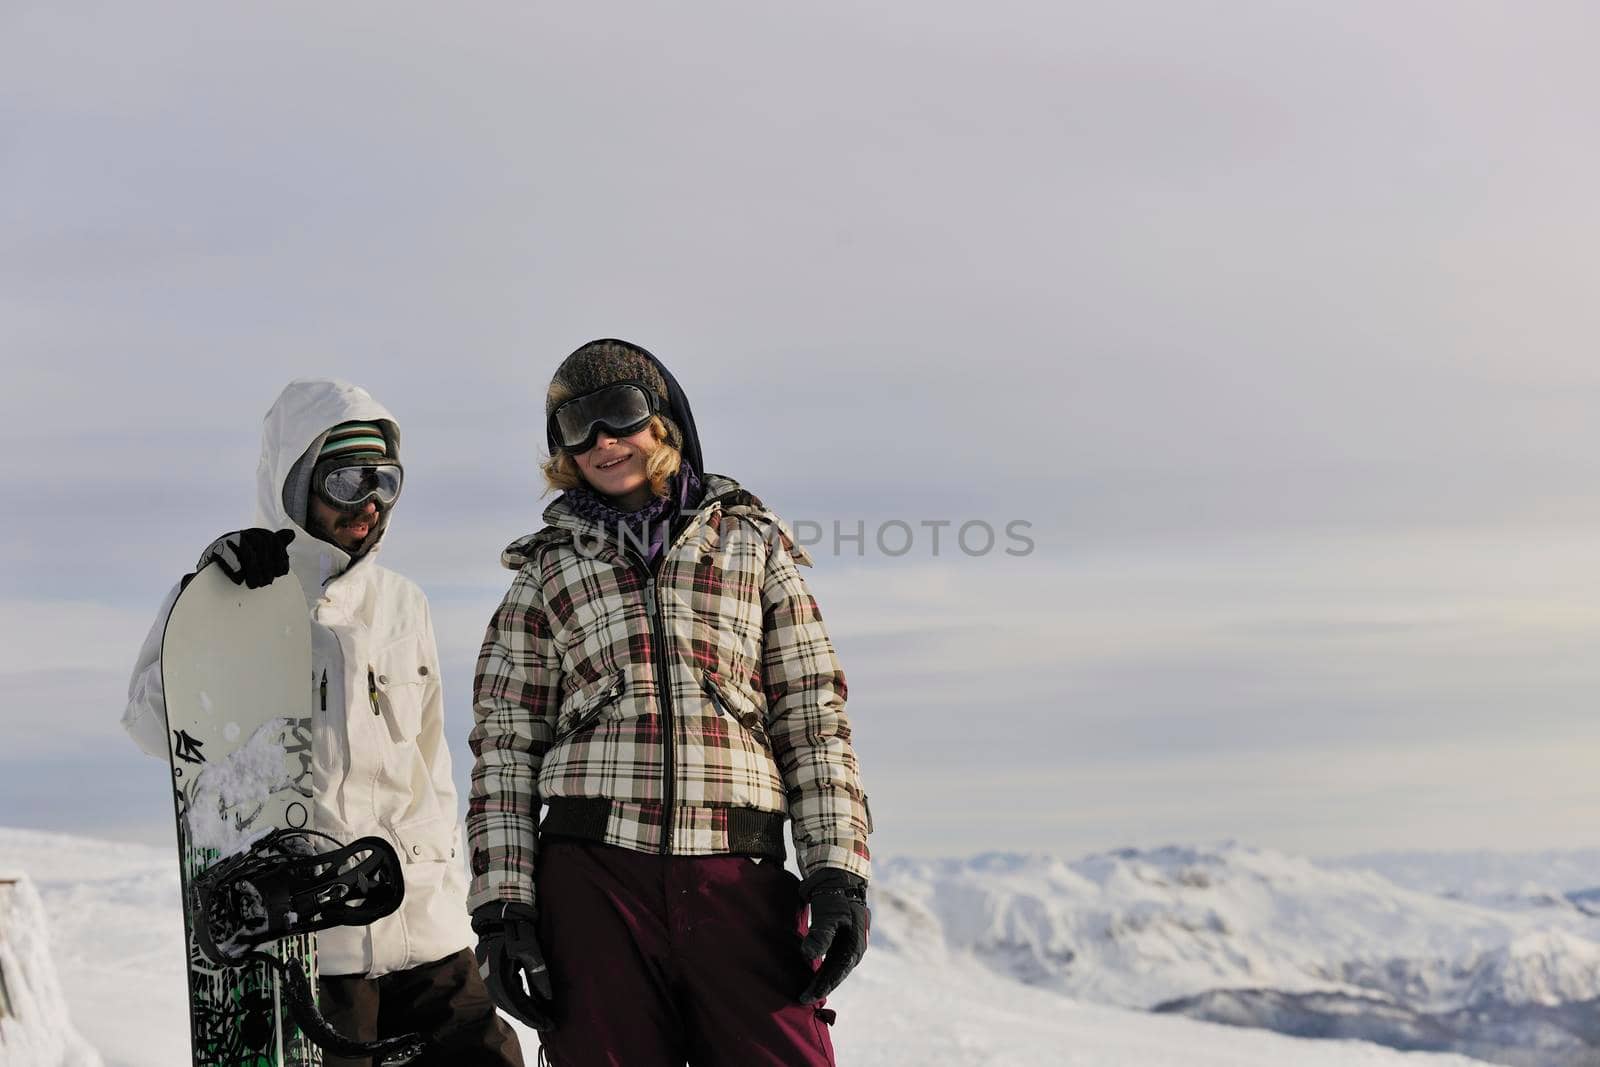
<point>283,887</point>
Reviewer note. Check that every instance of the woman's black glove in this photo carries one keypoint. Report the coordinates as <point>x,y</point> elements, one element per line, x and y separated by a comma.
<point>839,925</point>
<point>511,964</point>
<point>261,555</point>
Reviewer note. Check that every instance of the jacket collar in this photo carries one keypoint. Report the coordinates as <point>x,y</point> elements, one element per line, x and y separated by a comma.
<point>325,570</point>
<point>722,494</point>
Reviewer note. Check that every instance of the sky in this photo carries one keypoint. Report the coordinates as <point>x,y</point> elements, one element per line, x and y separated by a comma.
<point>1272,323</point>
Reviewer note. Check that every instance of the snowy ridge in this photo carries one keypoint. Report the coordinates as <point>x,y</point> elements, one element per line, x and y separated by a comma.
<point>1531,1036</point>
<point>1258,938</point>
<point>1479,875</point>
<point>1542,966</point>
<point>1565,886</point>
<point>35,1030</point>
<point>915,1004</point>
<point>1140,927</point>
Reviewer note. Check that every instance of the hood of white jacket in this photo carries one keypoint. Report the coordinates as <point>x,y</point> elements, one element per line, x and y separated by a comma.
<point>301,417</point>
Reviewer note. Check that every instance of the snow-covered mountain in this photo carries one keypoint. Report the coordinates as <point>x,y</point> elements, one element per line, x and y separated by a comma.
<point>916,999</point>
<point>1255,937</point>
<point>1560,884</point>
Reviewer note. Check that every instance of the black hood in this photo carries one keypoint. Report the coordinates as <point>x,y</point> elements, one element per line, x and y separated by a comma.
<point>677,408</point>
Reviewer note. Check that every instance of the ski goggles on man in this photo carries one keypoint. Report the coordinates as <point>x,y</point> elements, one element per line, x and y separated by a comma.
<point>620,409</point>
<point>347,484</point>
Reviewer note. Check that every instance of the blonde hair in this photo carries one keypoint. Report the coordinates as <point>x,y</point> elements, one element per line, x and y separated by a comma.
<point>661,462</point>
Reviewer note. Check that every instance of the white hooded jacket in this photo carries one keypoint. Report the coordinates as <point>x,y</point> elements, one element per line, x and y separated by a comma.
<point>381,765</point>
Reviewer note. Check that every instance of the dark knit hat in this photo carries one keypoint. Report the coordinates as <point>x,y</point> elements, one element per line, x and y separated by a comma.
<point>605,362</point>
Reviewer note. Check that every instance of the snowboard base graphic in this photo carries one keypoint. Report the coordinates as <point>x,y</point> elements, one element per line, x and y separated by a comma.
<point>236,669</point>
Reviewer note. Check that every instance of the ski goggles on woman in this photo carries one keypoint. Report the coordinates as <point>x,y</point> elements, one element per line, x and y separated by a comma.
<point>346,485</point>
<point>621,409</point>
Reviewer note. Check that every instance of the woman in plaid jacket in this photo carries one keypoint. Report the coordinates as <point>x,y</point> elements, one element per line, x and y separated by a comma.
<point>659,679</point>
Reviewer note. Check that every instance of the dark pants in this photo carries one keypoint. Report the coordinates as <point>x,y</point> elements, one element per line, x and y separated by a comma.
<point>446,999</point>
<point>661,960</point>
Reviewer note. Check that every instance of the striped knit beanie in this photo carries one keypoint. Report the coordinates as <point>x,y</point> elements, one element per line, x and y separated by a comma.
<point>349,441</point>
<point>354,439</point>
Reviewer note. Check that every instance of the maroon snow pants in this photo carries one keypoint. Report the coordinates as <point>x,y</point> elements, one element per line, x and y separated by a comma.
<point>657,961</point>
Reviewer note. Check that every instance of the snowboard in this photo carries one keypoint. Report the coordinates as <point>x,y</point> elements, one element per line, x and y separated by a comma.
<point>236,670</point>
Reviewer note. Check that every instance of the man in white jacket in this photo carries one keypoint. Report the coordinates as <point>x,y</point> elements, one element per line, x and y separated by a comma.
<point>330,473</point>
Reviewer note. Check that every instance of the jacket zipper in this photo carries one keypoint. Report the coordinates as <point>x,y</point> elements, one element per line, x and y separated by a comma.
<point>716,697</point>
<point>669,734</point>
<point>324,689</point>
<point>722,707</point>
<point>372,691</point>
<point>591,714</point>
<point>669,737</point>
<point>669,745</point>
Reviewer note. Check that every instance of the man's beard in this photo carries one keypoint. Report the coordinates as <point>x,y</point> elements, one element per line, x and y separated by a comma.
<point>342,523</point>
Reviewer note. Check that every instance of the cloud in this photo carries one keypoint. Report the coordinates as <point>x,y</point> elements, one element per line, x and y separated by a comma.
<point>1271,321</point>
<point>55,712</point>
<point>60,635</point>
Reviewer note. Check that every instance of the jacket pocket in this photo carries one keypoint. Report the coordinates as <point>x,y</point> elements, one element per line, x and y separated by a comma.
<point>584,706</point>
<point>426,840</point>
<point>396,678</point>
<point>731,700</point>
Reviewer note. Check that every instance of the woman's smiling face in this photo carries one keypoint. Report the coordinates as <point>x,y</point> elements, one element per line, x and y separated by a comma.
<point>615,467</point>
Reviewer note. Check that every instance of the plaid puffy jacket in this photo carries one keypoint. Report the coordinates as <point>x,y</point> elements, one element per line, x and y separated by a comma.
<point>686,711</point>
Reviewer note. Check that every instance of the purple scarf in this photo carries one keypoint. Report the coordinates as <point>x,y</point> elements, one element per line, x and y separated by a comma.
<point>649,525</point>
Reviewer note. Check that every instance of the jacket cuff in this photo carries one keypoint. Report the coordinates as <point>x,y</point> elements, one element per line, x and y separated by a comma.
<point>833,880</point>
<point>816,857</point>
<point>488,889</point>
<point>491,917</point>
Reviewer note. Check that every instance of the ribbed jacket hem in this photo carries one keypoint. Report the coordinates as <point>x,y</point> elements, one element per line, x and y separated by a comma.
<point>739,831</point>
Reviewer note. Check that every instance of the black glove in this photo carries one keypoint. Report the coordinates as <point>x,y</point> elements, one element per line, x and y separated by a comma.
<point>839,925</point>
<point>262,555</point>
<point>508,956</point>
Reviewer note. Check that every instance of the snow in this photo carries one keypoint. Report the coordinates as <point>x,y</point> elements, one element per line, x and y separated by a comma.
<point>237,786</point>
<point>1541,966</point>
<point>35,1026</point>
<point>118,943</point>
<point>1138,928</point>
<point>897,1011</point>
<point>1552,881</point>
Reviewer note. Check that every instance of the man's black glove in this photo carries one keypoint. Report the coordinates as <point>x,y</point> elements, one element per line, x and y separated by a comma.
<point>839,925</point>
<point>261,556</point>
<point>511,964</point>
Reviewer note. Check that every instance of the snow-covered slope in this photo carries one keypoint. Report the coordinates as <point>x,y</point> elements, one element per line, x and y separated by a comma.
<point>35,1026</point>
<point>899,1012</point>
<point>1138,928</point>
<point>1254,937</point>
<point>914,1001</point>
